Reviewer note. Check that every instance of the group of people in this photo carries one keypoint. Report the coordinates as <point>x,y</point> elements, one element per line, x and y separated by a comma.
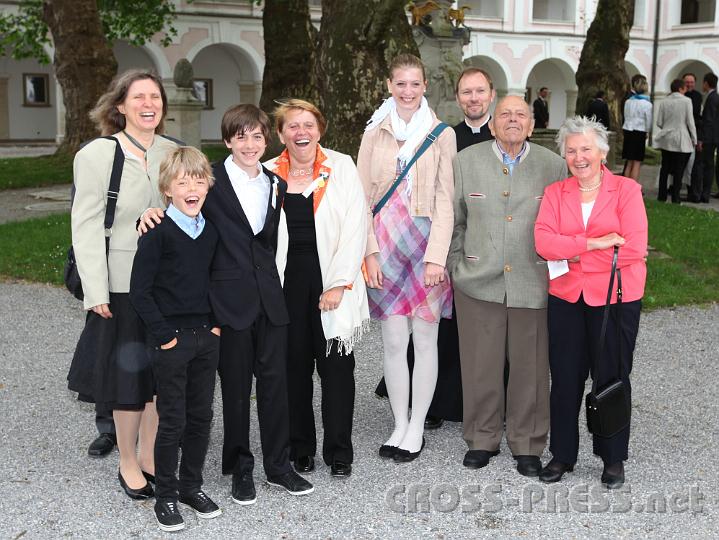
<point>494,260</point>
<point>687,135</point>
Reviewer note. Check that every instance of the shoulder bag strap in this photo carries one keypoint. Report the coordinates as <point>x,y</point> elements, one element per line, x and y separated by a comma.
<point>113,190</point>
<point>431,137</point>
<point>603,333</point>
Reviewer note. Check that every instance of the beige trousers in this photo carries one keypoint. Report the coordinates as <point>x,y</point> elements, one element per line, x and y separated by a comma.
<point>489,333</point>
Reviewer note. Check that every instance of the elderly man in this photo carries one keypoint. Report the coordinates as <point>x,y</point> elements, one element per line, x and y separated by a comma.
<point>500,288</point>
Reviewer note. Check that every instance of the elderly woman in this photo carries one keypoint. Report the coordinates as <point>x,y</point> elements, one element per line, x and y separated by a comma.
<point>637,123</point>
<point>407,244</point>
<point>111,365</point>
<point>580,221</point>
<point>676,138</point>
<point>319,255</point>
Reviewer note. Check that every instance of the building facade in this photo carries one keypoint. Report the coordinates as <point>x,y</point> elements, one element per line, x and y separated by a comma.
<point>524,45</point>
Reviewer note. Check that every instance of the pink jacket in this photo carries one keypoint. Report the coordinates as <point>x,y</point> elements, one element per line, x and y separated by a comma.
<point>559,234</point>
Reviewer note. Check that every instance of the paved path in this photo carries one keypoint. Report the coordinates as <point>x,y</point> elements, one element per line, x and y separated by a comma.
<point>51,489</point>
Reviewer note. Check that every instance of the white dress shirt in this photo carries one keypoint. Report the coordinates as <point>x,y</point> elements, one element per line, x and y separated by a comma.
<point>253,193</point>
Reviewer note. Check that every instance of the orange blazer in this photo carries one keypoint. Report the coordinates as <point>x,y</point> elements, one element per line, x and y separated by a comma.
<point>559,233</point>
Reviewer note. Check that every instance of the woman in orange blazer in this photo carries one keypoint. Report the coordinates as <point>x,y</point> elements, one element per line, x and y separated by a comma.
<point>580,221</point>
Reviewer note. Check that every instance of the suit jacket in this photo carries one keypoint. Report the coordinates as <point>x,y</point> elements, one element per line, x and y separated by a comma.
<point>559,233</point>
<point>541,113</point>
<point>676,124</point>
<point>599,109</point>
<point>696,98</point>
<point>710,118</point>
<point>243,275</point>
<point>465,136</point>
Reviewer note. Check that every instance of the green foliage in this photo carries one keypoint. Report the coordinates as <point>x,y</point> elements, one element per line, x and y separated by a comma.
<point>35,171</point>
<point>25,35</point>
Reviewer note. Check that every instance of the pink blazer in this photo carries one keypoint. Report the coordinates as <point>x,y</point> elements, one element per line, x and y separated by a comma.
<point>559,234</point>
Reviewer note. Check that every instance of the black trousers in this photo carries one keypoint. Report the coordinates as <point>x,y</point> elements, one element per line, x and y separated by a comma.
<point>574,330</point>
<point>703,186</point>
<point>673,163</point>
<point>260,349</point>
<point>185,382</point>
<point>307,346</point>
<point>103,419</point>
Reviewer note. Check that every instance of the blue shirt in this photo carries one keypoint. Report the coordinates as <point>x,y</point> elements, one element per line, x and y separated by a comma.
<point>193,226</point>
<point>507,160</point>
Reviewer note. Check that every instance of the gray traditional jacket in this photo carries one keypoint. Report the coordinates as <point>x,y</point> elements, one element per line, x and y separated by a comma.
<point>492,255</point>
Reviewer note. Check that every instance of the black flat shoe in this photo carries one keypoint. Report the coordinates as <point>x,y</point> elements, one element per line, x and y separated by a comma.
<point>387,451</point>
<point>433,422</point>
<point>149,477</point>
<point>528,465</point>
<point>554,471</point>
<point>405,456</point>
<point>613,475</point>
<point>102,445</point>
<point>144,492</point>
<point>476,459</point>
<point>304,464</point>
<point>340,469</point>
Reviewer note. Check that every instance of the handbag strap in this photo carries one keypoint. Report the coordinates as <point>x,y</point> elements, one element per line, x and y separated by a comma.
<point>605,320</point>
<point>431,137</point>
<point>113,190</point>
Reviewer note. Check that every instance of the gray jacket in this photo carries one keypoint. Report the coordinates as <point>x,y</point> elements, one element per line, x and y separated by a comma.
<point>492,254</point>
<point>675,121</point>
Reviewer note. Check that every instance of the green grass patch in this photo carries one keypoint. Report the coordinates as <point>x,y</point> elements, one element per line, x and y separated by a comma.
<point>35,250</point>
<point>31,172</point>
<point>689,237</point>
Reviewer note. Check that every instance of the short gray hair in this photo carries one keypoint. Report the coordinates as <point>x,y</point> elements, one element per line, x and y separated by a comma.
<point>581,124</point>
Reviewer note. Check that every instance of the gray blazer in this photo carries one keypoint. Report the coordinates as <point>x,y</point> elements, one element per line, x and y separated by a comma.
<point>492,254</point>
<point>675,120</point>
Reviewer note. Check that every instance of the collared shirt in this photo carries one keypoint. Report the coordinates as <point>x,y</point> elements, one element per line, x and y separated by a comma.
<point>193,226</point>
<point>253,193</point>
<point>476,129</point>
<point>506,159</point>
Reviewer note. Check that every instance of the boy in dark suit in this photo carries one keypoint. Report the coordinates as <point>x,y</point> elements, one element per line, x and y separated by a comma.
<point>169,289</point>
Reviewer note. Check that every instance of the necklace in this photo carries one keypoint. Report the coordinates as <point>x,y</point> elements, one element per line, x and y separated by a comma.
<point>593,186</point>
<point>301,172</point>
<point>136,143</point>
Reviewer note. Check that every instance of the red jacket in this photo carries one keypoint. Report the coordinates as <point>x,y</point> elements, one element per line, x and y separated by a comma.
<point>559,234</point>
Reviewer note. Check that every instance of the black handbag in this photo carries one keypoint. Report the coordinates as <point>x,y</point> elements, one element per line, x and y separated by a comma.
<point>608,409</point>
<point>71,275</point>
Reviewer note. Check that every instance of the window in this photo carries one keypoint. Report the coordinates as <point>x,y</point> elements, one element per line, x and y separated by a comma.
<point>35,90</point>
<point>698,11</point>
<point>640,13</point>
<point>553,10</point>
<point>490,9</point>
<point>202,90</point>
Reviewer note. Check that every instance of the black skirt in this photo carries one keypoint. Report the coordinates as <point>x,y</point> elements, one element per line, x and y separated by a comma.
<point>634,145</point>
<point>112,362</point>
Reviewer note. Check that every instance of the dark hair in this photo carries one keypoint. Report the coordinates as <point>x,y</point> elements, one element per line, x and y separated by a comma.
<point>711,80</point>
<point>599,94</point>
<point>280,113</point>
<point>242,118</point>
<point>406,60</point>
<point>543,88</point>
<point>689,74</point>
<point>677,84</point>
<point>466,72</point>
<point>105,114</point>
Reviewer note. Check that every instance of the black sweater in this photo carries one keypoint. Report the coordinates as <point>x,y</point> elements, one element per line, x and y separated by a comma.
<point>466,138</point>
<point>171,277</point>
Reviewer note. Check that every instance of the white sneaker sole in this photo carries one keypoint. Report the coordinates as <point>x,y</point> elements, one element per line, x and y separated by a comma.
<point>205,515</point>
<point>296,493</point>
<point>243,503</point>
<point>170,528</point>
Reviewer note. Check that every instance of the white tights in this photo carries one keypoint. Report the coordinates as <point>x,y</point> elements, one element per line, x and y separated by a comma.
<point>408,432</point>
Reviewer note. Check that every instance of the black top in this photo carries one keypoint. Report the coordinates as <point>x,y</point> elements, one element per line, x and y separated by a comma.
<point>541,113</point>
<point>599,109</point>
<point>696,98</point>
<point>170,280</point>
<point>300,216</point>
<point>466,138</point>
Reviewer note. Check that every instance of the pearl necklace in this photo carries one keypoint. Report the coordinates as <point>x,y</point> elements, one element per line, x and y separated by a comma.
<point>593,186</point>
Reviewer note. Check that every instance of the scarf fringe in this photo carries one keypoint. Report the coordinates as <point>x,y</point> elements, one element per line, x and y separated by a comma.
<point>346,344</point>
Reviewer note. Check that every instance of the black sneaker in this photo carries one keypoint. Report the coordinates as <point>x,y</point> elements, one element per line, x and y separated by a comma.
<point>292,482</point>
<point>168,516</point>
<point>203,506</point>
<point>243,489</point>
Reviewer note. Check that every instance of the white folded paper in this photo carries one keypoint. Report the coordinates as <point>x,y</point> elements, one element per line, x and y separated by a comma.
<point>557,268</point>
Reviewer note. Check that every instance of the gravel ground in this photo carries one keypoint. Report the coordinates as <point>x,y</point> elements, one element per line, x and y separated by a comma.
<point>51,489</point>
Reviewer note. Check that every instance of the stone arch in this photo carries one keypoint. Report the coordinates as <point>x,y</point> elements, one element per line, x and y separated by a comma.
<point>697,67</point>
<point>558,76</point>
<point>495,70</point>
<point>130,56</point>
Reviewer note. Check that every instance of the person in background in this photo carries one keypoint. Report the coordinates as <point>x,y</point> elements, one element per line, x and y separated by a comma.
<point>541,109</point>
<point>580,221</point>
<point>708,140</point>
<point>694,166</point>
<point>637,123</point>
<point>599,109</point>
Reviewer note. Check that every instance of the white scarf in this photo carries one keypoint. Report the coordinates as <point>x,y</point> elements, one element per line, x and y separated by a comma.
<point>412,133</point>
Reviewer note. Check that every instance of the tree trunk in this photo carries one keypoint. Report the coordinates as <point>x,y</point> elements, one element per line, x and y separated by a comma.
<point>601,66</point>
<point>84,64</point>
<point>358,39</point>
